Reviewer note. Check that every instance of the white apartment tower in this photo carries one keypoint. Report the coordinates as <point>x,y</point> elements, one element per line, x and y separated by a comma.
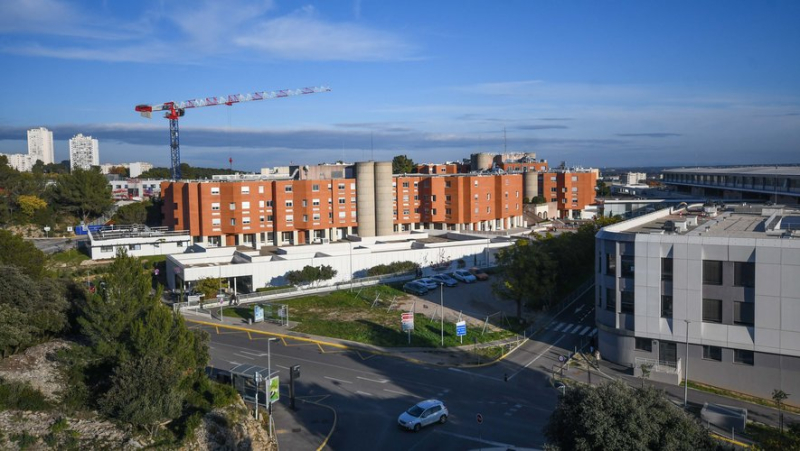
<point>40,145</point>
<point>84,152</point>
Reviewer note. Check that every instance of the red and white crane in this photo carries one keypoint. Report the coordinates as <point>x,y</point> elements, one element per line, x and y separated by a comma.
<point>174,110</point>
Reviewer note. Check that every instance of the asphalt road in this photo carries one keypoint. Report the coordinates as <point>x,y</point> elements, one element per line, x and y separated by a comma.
<point>368,391</point>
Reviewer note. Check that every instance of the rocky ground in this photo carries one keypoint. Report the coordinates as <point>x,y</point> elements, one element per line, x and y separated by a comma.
<point>229,428</point>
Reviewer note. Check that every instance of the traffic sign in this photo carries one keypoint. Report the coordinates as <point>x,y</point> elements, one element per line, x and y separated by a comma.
<point>461,328</point>
<point>407,321</point>
<point>479,418</point>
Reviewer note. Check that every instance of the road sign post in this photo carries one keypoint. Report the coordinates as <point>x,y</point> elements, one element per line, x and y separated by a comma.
<point>407,322</point>
<point>461,330</point>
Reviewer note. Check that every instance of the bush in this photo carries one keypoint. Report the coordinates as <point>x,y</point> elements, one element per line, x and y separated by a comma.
<point>391,268</point>
<point>22,396</point>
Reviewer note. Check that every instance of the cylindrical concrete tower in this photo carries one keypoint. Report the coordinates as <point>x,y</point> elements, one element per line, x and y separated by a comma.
<point>384,208</point>
<point>530,184</point>
<point>481,161</point>
<point>365,197</point>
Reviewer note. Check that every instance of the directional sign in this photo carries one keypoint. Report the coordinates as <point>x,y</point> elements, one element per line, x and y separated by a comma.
<point>461,328</point>
<point>479,418</point>
<point>258,314</point>
<point>407,320</point>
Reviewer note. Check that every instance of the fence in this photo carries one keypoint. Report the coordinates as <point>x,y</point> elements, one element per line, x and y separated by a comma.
<point>659,366</point>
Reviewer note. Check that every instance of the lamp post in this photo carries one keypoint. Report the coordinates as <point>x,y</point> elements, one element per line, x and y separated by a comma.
<point>686,368</point>
<point>441,301</point>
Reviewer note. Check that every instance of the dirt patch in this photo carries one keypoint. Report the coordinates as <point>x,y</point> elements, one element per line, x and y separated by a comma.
<point>37,366</point>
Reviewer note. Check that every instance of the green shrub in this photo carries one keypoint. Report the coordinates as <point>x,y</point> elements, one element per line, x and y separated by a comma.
<point>391,268</point>
<point>22,396</point>
<point>24,440</point>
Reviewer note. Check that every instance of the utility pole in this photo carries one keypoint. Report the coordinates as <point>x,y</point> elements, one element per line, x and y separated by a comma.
<point>686,369</point>
<point>441,300</point>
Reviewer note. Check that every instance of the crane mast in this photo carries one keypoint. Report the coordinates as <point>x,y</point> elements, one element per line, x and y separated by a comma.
<point>175,110</point>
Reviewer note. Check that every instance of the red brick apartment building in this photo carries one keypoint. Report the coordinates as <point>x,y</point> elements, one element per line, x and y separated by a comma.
<point>278,212</point>
<point>572,190</point>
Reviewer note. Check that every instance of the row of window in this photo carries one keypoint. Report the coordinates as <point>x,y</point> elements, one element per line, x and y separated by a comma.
<point>743,312</point>
<point>744,273</point>
<point>286,188</point>
<point>287,218</point>
<point>741,356</point>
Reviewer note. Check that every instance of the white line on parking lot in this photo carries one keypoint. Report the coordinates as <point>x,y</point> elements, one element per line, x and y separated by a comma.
<point>338,380</point>
<point>381,381</point>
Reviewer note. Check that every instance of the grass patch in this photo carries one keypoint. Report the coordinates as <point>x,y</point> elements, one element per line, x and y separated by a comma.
<point>740,396</point>
<point>243,312</point>
<point>770,438</point>
<point>343,315</point>
<point>22,396</point>
<point>69,257</point>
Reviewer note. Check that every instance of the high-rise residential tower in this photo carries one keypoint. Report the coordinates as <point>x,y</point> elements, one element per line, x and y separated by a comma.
<point>40,145</point>
<point>84,152</point>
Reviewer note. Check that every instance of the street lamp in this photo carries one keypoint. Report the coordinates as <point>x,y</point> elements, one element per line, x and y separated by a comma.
<point>686,368</point>
<point>441,301</point>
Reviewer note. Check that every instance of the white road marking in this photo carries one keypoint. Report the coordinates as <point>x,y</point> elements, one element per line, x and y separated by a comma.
<point>284,367</point>
<point>338,380</point>
<point>476,439</point>
<point>474,374</point>
<point>364,393</point>
<point>381,381</point>
<point>243,356</point>
<point>257,354</point>
<point>401,393</point>
<point>571,329</point>
<point>586,329</point>
<point>580,307</point>
<point>536,358</point>
<point>593,332</point>
<point>559,326</point>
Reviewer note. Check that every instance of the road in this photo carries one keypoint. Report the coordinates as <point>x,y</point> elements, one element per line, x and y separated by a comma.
<point>369,391</point>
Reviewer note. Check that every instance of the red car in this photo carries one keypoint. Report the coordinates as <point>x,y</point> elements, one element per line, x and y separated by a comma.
<point>480,275</point>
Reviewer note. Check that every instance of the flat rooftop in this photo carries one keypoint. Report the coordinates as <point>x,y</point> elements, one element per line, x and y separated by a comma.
<point>744,170</point>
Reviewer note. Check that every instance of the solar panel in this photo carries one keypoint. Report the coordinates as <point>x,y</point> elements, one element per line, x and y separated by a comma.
<point>790,223</point>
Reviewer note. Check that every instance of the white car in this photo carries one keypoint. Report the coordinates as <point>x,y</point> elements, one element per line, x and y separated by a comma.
<point>428,282</point>
<point>465,276</point>
<point>422,414</point>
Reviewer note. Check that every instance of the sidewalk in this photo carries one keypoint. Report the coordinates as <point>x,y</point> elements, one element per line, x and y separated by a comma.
<point>607,371</point>
<point>308,426</point>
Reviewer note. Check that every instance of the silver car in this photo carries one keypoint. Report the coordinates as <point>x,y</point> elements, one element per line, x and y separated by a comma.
<point>422,414</point>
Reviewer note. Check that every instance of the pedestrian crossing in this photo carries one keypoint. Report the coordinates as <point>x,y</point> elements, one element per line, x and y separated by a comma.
<point>576,329</point>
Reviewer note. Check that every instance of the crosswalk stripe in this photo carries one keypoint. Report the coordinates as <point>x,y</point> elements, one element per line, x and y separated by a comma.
<point>586,329</point>
<point>575,329</point>
<point>558,327</point>
<point>593,332</point>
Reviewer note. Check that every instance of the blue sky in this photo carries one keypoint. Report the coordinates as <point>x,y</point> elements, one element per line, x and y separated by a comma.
<point>594,83</point>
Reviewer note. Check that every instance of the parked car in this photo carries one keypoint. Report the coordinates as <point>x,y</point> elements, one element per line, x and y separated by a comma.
<point>428,282</point>
<point>445,279</point>
<point>462,275</point>
<point>415,287</point>
<point>422,414</point>
<point>480,275</point>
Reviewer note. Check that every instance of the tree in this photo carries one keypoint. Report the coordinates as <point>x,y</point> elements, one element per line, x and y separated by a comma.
<point>135,213</point>
<point>23,254</point>
<point>208,286</point>
<point>160,332</point>
<point>615,416</point>
<point>29,204</point>
<point>310,274</point>
<point>144,392</point>
<point>602,189</point>
<point>527,275</point>
<point>84,193</point>
<point>120,170</point>
<point>779,396</point>
<point>401,164</point>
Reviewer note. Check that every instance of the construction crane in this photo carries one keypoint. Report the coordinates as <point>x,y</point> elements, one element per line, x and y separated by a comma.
<point>175,110</point>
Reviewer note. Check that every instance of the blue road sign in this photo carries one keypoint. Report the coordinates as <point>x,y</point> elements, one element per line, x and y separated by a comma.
<point>461,328</point>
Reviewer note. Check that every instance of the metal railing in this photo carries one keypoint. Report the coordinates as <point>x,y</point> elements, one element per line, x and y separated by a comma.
<point>659,366</point>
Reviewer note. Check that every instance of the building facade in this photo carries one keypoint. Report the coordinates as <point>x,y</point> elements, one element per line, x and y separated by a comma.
<point>84,152</point>
<point>764,183</point>
<point>263,212</point>
<point>722,286</point>
<point>40,145</point>
<point>571,189</point>
<point>19,161</point>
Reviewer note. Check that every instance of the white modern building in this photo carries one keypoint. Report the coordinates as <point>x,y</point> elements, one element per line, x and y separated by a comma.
<point>137,241</point>
<point>135,188</point>
<point>40,145</point>
<point>84,152</point>
<point>253,269</point>
<point>724,283</point>
<point>19,161</point>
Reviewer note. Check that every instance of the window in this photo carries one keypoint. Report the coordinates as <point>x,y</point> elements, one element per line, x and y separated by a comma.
<point>433,211</point>
<point>232,205</point>
<point>743,357</point>
<point>744,274</point>
<point>269,218</point>
<point>315,187</point>
<point>447,184</point>
<point>626,263</point>
<point>668,352</point>
<point>488,209</point>
<point>352,186</point>
<point>611,264</point>
<point>433,198</point>
<point>405,184</point>
<point>233,221</point>
<point>666,306</point>
<point>712,272</point>
<point>270,204</point>
<point>340,186</point>
<point>289,218</point>
<point>315,216</point>
<point>712,310</point>
<point>574,178</point>
<point>245,205</point>
<point>245,220</point>
<point>353,199</point>
<point>261,219</point>
<point>216,221</point>
<point>305,218</point>
<point>215,205</point>
<point>106,248</point>
<point>261,204</point>
<point>644,344</point>
<point>447,198</point>
<point>405,198</point>
<point>245,190</point>
<point>406,212</point>
<point>342,200</point>
<point>744,313</point>
<point>315,202</point>
<point>305,202</point>
<point>448,211</point>
<point>342,214</point>
<point>574,189</point>
<point>289,204</point>
<point>712,353</point>
<point>611,299</point>
<point>627,302</point>
<point>261,191</point>
<point>330,215</point>
<point>666,268</point>
<point>488,196</point>
<point>287,189</point>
